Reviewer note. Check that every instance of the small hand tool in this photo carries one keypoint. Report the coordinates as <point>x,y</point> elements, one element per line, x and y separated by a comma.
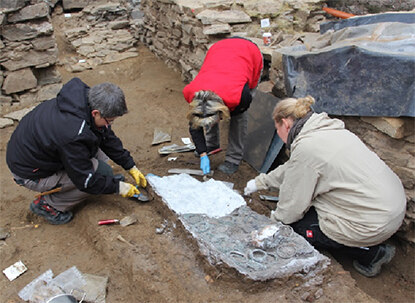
<point>215,151</point>
<point>269,198</point>
<point>106,222</point>
<point>55,190</point>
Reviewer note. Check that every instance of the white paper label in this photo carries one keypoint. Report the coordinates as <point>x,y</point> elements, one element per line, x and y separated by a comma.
<point>186,141</point>
<point>15,270</point>
<point>265,22</point>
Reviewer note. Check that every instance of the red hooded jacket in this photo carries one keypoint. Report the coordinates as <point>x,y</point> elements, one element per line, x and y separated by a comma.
<point>229,64</point>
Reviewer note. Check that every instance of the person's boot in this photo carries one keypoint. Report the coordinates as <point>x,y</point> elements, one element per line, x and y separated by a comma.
<point>228,167</point>
<point>52,215</point>
<point>384,255</point>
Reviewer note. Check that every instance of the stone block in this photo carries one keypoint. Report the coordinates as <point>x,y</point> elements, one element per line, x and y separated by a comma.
<point>27,99</point>
<point>18,115</point>
<point>114,25</point>
<point>32,58</point>
<point>49,75</point>
<point>76,33</point>
<point>190,7</point>
<point>18,81</point>
<point>11,5</point>
<point>209,16</point>
<point>393,127</point>
<point>30,12</point>
<point>4,122</point>
<point>48,92</point>
<point>74,4</point>
<point>43,43</point>
<point>217,29</point>
<point>25,31</point>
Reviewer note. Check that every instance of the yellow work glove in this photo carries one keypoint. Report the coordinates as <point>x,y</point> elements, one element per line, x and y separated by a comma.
<point>128,190</point>
<point>138,176</point>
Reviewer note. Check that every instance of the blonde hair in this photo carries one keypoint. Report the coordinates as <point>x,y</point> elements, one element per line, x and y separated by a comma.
<point>292,108</point>
<point>206,109</point>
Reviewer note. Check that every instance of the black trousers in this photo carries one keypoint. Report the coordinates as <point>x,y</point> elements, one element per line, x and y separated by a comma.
<point>309,228</point>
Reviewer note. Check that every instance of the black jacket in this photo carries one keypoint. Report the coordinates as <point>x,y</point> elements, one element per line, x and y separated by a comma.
<point>59,134</point>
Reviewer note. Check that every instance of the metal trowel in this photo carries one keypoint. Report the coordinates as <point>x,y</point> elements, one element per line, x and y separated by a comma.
<point>142,196</point>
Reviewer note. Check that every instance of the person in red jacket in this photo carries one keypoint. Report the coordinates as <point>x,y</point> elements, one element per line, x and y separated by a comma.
<point>223,89</point>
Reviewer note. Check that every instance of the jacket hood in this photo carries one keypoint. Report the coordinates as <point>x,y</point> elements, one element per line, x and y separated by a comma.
<point>319,122</point>
<point>73,99</point>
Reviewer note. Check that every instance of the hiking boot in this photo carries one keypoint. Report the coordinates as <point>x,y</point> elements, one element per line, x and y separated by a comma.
<point>228,167</point>
<point>216,149</point>
<point>52,215</point>
<point>384,255</point>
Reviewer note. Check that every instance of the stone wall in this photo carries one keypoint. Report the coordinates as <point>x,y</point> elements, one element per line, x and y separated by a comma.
<point>28,55</point>
<point>97,32</point>
<point>181,31</point>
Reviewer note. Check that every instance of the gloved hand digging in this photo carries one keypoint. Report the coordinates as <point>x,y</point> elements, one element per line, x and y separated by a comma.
<point>205,164</point>
<point>138,176</point>
<point>128,190</point>
<point>250,187</point>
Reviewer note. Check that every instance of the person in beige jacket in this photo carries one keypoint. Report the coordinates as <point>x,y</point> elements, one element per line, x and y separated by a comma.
<point>333,190</point>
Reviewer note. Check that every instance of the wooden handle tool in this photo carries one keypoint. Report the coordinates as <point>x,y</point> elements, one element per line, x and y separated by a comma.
<point>55,190</point>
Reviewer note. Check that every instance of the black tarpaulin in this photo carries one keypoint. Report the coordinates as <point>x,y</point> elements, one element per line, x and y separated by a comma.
<point>367,71</point>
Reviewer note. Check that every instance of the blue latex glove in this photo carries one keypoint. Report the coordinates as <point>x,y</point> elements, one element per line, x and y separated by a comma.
<point>205,164</point>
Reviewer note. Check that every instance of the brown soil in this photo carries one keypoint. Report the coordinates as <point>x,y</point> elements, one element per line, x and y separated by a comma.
<point>166,267</point>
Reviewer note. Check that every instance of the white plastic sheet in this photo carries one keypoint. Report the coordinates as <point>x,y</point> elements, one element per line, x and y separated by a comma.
<point>186,195</point>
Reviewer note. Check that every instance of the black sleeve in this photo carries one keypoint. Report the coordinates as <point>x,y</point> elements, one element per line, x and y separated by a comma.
<point>246,99</point>
<point>198,138</point>
<point>112,146</point>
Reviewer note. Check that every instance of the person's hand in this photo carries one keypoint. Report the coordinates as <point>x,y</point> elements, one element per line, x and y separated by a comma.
<point>250,187</point>
<point>205,164</point>
<point>138,176</point>
<point>128,190</point>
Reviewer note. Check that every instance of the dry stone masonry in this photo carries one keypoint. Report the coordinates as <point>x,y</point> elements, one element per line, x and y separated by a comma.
<point>28,55</point>
<point>180,32</point>
<point>99,34</point>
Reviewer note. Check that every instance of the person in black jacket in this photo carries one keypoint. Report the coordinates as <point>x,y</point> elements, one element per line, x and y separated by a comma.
<point>65,143</point>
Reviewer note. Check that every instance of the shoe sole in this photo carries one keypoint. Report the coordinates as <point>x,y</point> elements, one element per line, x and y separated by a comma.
<point>43,215</point>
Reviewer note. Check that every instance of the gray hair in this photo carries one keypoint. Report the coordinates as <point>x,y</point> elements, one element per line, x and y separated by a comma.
<point>108,98</point>
<point>206,109</point>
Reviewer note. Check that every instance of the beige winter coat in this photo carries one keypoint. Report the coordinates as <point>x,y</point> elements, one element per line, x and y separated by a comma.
<point>358,198</point>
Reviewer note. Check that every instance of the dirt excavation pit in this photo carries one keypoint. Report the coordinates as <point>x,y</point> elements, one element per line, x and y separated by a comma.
<point>156,259</point>
<point>142,264</point>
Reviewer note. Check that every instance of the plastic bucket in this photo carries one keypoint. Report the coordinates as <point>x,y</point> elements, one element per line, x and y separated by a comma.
<point>63,298</point>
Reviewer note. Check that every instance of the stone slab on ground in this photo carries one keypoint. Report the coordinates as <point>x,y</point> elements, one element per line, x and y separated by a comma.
<point>227,232</point>
<point>4,122</point>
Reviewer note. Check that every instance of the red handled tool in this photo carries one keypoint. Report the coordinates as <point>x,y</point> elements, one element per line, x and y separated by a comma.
<point>106,222</point>
<point>215,151</point>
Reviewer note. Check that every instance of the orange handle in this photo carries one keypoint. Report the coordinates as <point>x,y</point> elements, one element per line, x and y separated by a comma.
<point>337,13</point>
<point>55,190</point>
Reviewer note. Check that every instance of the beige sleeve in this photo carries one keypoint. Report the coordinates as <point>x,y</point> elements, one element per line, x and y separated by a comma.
<point>296,192</point>
<point>271,180</point>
